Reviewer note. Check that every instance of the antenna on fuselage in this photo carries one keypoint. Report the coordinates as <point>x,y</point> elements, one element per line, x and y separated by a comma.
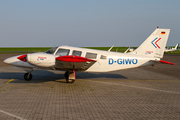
<point>111,48</point>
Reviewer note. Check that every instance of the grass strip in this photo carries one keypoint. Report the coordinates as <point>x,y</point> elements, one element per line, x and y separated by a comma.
<point>43,49</point>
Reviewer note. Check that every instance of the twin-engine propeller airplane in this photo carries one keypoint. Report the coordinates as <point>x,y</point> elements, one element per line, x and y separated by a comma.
<point>71,59</point>
<point>172,49</point>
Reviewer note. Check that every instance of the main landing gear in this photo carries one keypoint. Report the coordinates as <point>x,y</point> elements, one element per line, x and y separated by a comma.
<point>28,76</point>
<point>70,76</point>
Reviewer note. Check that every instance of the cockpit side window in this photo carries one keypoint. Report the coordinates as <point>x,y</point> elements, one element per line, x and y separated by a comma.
<point>62,52</point>
<point>77,53</point>
<point>51,51</point>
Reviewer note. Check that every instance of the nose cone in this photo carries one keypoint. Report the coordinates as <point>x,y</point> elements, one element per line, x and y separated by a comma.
<point>7,61</point>
<point>11,60</point>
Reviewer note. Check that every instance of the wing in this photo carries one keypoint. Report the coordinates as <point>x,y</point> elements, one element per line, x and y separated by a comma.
<point>73,62</point>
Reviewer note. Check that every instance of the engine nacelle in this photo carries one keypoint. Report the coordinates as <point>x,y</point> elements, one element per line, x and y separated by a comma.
<point>41,59</point>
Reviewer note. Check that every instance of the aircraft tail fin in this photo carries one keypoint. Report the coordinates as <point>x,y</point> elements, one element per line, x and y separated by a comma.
<point>177,46</point>
<point>154,45</point>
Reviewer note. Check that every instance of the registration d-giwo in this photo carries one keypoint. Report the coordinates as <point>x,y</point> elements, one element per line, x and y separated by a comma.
<point>71,59</point>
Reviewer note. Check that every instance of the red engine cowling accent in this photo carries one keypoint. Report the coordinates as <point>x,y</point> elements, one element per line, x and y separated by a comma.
<point>72,58</point>
<point>22,58</point>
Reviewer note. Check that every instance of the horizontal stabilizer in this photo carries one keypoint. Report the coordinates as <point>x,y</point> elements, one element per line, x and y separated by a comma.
<point>166,62</point>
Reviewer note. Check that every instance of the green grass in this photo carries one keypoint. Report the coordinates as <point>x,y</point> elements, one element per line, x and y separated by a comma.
<point>174,52</point>
<point>43,49</point>
<point>24,49</point>
<point>123,49</point>
<point>118,49</point>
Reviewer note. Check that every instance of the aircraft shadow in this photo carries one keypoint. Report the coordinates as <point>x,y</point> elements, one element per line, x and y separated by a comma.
<point>82,75</point>
<point>40,76</point>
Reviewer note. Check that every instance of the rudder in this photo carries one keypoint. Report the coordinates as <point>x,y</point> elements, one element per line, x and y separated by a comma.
<point>154,45</point>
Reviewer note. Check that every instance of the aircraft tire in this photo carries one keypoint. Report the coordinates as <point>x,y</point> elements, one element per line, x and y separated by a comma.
<point>66,74</point>
<point>70,81</point>
<point>67,78</point>
<point>27,76</point>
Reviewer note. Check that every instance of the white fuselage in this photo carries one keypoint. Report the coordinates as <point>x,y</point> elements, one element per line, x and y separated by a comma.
<point>105,60</point>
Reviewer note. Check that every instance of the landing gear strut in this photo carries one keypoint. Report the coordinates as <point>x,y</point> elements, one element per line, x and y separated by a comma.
<point>70,76</point>
<point>28,76</point>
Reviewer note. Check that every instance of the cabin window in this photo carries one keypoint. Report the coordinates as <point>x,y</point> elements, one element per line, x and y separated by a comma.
<point>103,57</point>
<point>76,53</point>
<point>62,52</point>
<point>91,55</point>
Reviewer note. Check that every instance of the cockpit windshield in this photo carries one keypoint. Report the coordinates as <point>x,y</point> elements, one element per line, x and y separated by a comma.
<point>52,50</point>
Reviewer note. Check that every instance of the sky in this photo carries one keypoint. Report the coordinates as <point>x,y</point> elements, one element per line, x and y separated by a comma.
<point>86,23</point>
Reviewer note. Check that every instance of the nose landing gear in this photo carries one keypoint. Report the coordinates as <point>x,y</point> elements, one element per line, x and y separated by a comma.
<point>28,76</point>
